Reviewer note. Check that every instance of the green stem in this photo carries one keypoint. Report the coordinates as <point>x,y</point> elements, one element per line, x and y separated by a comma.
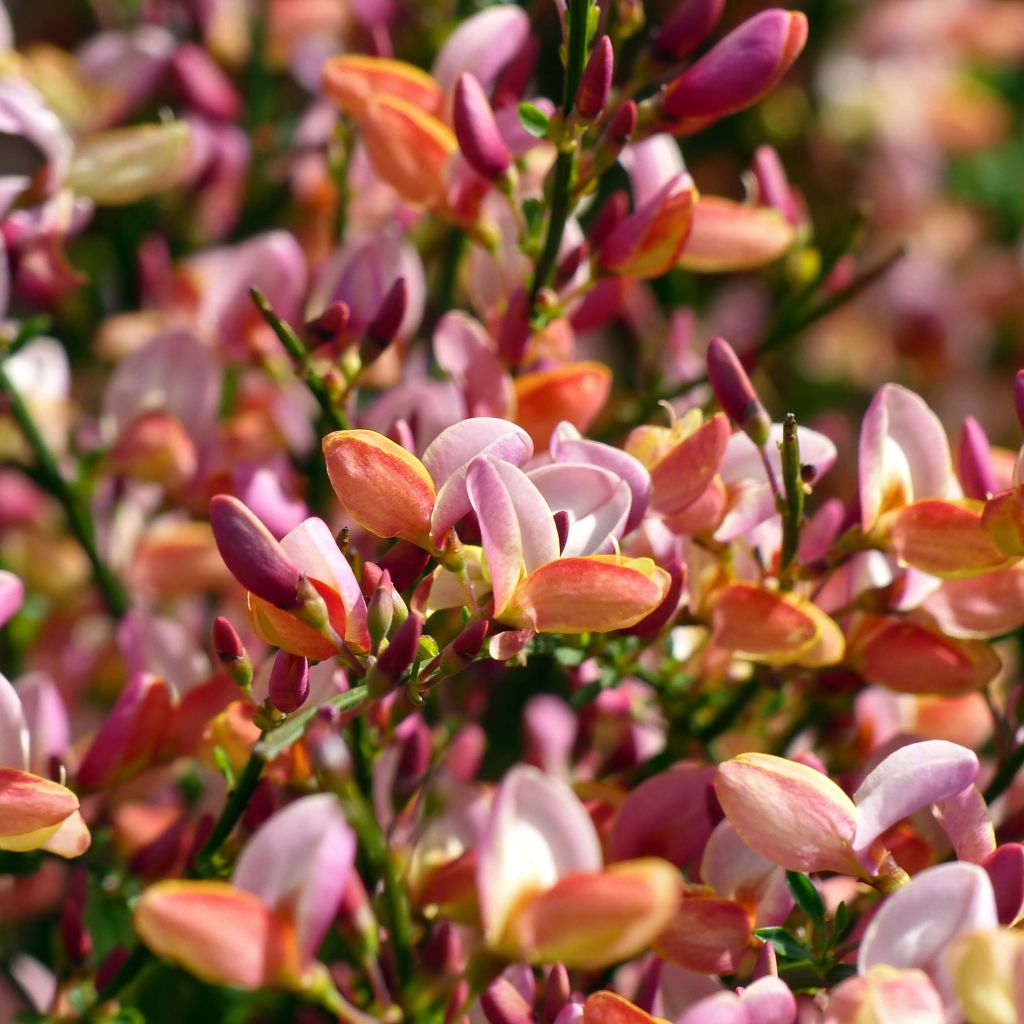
<point>565,165</point>
<point>374,846</point>
<point>793,509</point>
<point>231,813</point>
<point>77,512</point>
<point>313,379</point>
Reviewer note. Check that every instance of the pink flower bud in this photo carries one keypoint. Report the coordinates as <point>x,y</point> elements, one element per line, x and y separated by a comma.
<point>502,1003</point>
<point>380,611</point>
<point>623,124</point>
<point>687,27</point>
<point>479,139</point>
<point>596,81</point>
<point>557,992</point>
<point>232,653</point>
<point>773,185</point>
<point>514,332</point>
<point>73,929</point>
<point>615,207</point>
<point>737,72</point>
<point>330,324</point>
<point>289,682</point>
<point>735,393</point>
<point>202,83</point>
<point>1018,395</point>
<point>384,327</point>
<point>975,462</point>
<point>251,553</point>
<point>398,655</point>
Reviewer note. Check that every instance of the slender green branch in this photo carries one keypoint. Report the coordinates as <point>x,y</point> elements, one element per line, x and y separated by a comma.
<point>312,377</point>
<point>233,810</point>
<point>565,164</point>
<point>76,510</point>
<point>793,506</point>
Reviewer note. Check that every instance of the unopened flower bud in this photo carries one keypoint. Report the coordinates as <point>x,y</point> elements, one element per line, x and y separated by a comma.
<point>767,964</point>
<point>397,656</point>
<point>735,393</point>
<point>384,327</point>
<point>615,207</point>
<point>464,648</point>
<point>557,992</point>
<point>514,332</point>
<point>330,325</point>
<point>502,1003</point>
<point>110,966</point>
<point>203,84</point>
<point>622,125</point>
<point>155,448</point>
<point>380,610</point>
<point>252,554</point>
<point>369,578</point>
<point>416,746</point>
<point>687,27</point>
<point>475,128</point>
<point>289,682</point>
<point>773,184</point>
<point>1018,396</point>
<point>232,653</point>
<point>442,953</point>
<point>596,81</point>
<point>570,264</point>
<point>561,518</point>
<point>975,462</point>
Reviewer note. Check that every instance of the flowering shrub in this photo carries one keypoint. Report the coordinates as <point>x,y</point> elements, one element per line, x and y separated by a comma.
<point>461,563</point>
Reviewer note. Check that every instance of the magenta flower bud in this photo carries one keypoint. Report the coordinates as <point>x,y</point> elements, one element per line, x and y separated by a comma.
<point>289,682</point>
<point>735,393</point>
<point>370,577</point>
<point>502,1003</point>
<point>687,27</point>
<point>476,130</point>
<point>397,656</point>
<point>251,553</point>
<point>596,82</point>
<point>203,84</point>
<point>159,857</point>
<point>767,964</point>
<point>416,746</point>
<point>566,270</point>
<point>1005,868</point>
<point>1018,396</point>
<point>557,992</point>
<point>974,463</point>
<point>226,641</point>
<point>464,648</point>
<point>736,72</point>
<point>623,124</point>
<point>330,325</point>
<point>561,518</point>
<point>384,327</point>
<point>442,953</point>
<point>514,332</point>
<point>110,967</point>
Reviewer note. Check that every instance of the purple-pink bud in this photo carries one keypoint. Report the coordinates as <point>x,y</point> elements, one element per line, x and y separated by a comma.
<point>330,325</point>
<point>203,84</point>
<point>737,71</point>
<point>557,992</point>
<point>615,208</point>
<point>561,518</point>
<point>476,130</point>
<point>471,639</point>
<point>570,264</point>
<point>773,185</point>
<point>622,124</point>
<point>687,27</point>
<point>226,641</point>
<point>401,651</point>
<point>385,326</point>
<point>596,82</point>
<point>735,393</point>
<point>289,682</point>
<point>74,930</point>
<point>502,1003</point>
<point>251,553</point>
<point>974,464</point>
<point>514,331</point>
<point>416,748</point>
<point>369,578</point>
<point>442,952</point>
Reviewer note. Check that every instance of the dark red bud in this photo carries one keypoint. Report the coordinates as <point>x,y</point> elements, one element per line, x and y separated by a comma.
<point>330,324</point>
<point>975,462</point>
<point>226,641</point>
<point>561,518</point>
<point>386,324</point>
<point>289,682</point>
<point>596,82</point>
<point>735,393</point>
<point>476,130</point>
<point>557,992</point>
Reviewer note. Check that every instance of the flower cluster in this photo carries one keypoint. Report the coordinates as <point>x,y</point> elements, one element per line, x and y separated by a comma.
<point>456,566</point>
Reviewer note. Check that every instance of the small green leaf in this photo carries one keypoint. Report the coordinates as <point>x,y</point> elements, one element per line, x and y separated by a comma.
<point>534,120</point>
<point>224,765</point>
<point>806,895</point>
<point>785,944</point>
<point>428,648</point>
<point>842,923</point>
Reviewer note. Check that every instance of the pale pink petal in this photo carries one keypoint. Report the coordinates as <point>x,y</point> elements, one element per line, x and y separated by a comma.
<point>596,500</point>
<point>965,819</point>
<point>12,594</point>
<point>14,750</point>
<point>910,778</point>
<point>298,863</point>
<point>537,833</point>
<point>768,1001</point>
<point>482,45</point>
